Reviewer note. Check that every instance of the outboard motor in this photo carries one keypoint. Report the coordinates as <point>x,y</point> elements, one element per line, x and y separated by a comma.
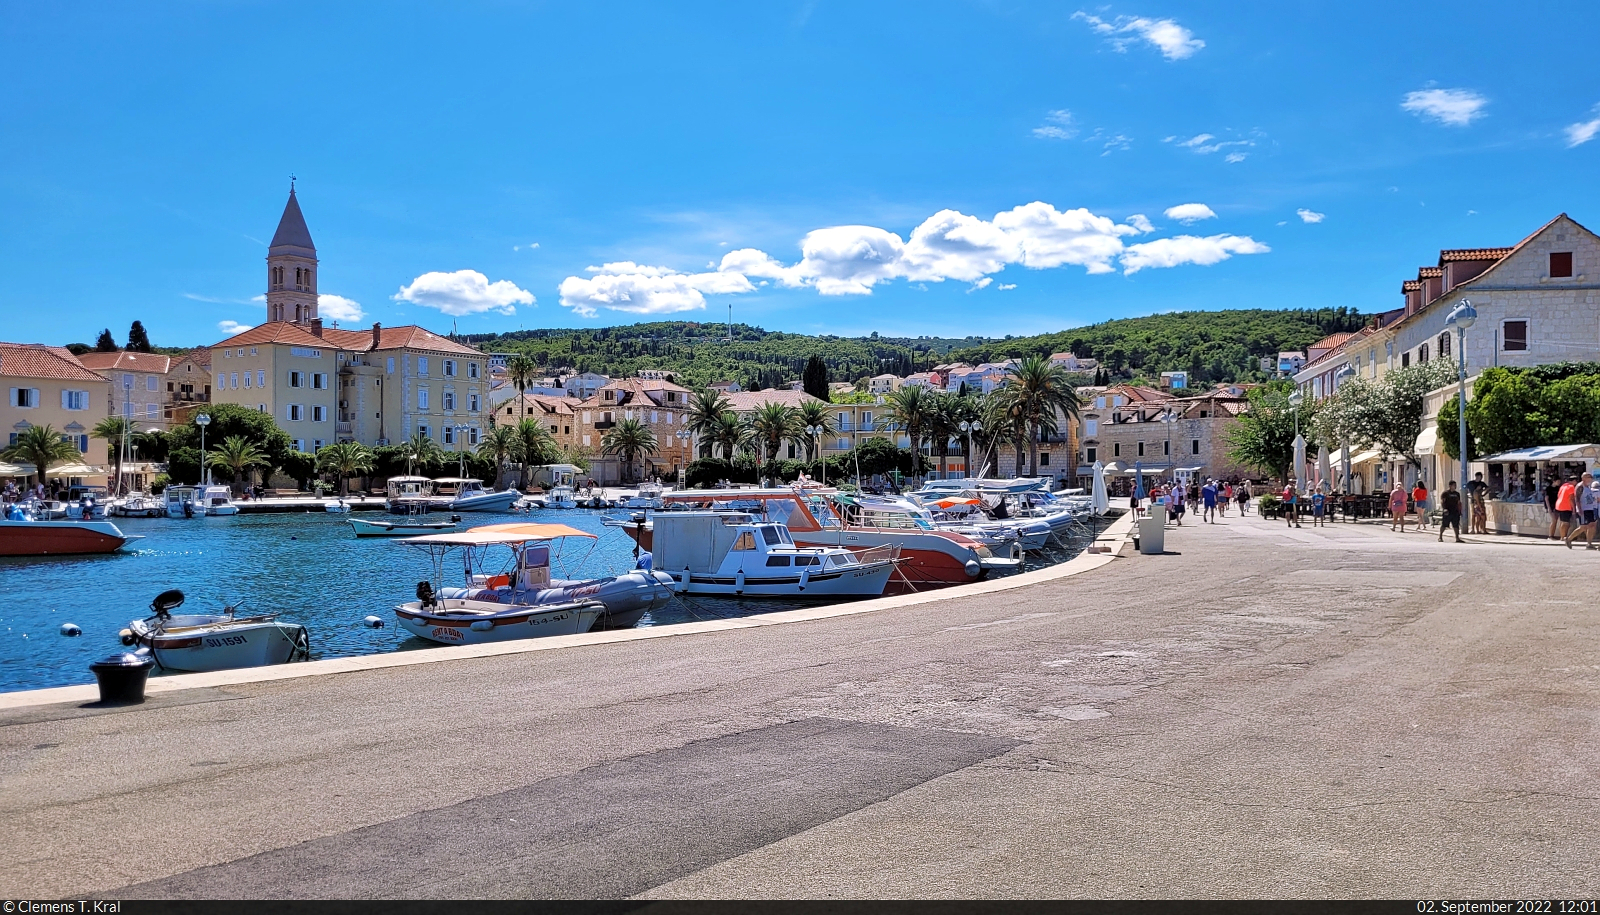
<point>425,595</point>
<point>166,602</point>
<point>188,509</point>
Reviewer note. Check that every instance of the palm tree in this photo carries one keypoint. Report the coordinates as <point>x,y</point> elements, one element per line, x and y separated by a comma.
<point>344,459</point>
<point>1041,391</point>
<point>910,411</point>
<point>774,424</point>
<point>500,445</point>
<point>817,416</point>
<point>941,425</point>
<point>534,445</point>
<point>40,446</point>
<point>422,450</point>
<point>1004,424</point>
<point>521,369</point>
<point>628,438</point>
<point>729,433</point>
<point>238,454</point>
<point>112,429</point>
<point>704,417</point>
<point>965,409</point>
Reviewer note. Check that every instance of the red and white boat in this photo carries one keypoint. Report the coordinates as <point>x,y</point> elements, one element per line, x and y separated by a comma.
<point>928,558</point>
<point>61,538</point>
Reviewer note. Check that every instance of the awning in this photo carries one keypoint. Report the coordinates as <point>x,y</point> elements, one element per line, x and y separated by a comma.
<point>1365,457</point>
<point>502,533</point>
<point>1427,440</point>
<point>12,470</point>
<point>1546,453</point>
<point>76,470</point>
<point>1113,467</point>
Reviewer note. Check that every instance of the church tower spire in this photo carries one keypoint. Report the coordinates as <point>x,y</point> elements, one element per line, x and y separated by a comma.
<point>292,268</point>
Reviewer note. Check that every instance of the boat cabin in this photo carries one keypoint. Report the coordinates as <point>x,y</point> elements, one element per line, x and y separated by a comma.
<point>709,542</point>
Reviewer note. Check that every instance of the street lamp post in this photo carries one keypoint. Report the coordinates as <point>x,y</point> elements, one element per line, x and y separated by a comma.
<point>1295,400</point>
<point>203,420</point>
<point>1339,378</point>
<point>685,441</point>
<point>1168,417</point>
<point>461,460</point>
<point>967,429</point>
<point>816,439</point>
<point>1461,318</point>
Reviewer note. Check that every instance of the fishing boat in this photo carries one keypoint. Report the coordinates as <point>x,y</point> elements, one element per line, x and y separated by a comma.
<point>559,497</point>
<point>412,526</point>
<point>648,497</point>
<point>21,535</point>
<point>215,641</point>
<point>137,505</point>
<point>182,501</point>
<point>215,500</point>
<point>508,565</point>
<point>928,558</point>
<point>409,495</point>
<point>466,495</point>
<point>336,507</point>
<point>732,554</point>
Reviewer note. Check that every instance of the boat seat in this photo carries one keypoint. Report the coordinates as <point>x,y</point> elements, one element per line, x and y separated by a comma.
<point>498,581</point>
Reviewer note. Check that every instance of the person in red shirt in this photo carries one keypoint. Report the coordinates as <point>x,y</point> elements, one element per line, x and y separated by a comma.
<point>1566,502</point>
<point>1419,499</point>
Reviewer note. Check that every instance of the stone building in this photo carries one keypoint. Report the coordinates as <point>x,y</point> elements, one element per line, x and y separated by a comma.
<point>48,386</point>
<point>655,402</point>
<point>138,385</point>
<point>1127,426</point>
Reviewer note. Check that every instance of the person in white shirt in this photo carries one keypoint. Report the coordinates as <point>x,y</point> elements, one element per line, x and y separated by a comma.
<point>1588,512</point>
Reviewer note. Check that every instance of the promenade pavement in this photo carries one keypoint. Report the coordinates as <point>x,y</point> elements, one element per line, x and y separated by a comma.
<point>1263,711</point>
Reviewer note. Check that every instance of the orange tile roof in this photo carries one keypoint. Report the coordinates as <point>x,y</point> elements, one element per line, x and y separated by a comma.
<point>407,336</point>
<point>200,355</point>
<point>36,360</point>
<point>1472,254</point>
<point>547,404</point>
<point>751,401</point>
<point>1410,285</point>
<point>124,361</point>
<point>1331,340</point>
<point>1426,273</point>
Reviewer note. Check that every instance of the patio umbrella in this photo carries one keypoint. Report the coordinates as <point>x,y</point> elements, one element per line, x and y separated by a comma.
<point>1325,467</point>
<point>1138,479</point>
<point>1299,470</point>
<point>1102,502</point>
<point>12,470</point>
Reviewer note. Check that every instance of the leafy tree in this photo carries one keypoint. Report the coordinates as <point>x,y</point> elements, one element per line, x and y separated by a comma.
<point>227,420</point>
<point>816,416</point>
<point>41,446</point>
<point>1040,390</point>
<point>300,467</point>
<point>1385,413</point>
<point>138,340</point>
<point>344,459</point>
<point>112,429</point>
<point>629,438</point>
<point>704,417</point>
<point>105,343</point>
<point>502,444</point>
<point>774,424</point>
<point>1263,437</point>
<point>239,455</point>
<point>815,379</point>
<point>878,455</point>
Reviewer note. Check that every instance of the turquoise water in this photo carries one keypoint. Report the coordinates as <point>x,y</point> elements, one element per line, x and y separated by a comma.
<point>308,567</point>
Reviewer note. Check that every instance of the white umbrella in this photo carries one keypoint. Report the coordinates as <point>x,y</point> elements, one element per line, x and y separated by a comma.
<point>1325,467</point>
<point>12,470</point>
<point>1299,470</point>
<point>1102,502</point>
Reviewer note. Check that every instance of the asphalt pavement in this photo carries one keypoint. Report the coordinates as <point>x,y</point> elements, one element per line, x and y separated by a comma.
<point>1262,712</point>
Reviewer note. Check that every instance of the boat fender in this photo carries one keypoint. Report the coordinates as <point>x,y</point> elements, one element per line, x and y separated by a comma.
<point>683,583</point>
<point>738,582</point>
<point>805,577</point>
<point>71,630</point>
<point>973,568</point>
<point>482,625</point>
<point>127,637</point>
<point>373,622</point>
<point>455,519</point>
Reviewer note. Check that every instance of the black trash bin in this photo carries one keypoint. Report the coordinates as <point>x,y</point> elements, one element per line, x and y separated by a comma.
<point>122,677</point>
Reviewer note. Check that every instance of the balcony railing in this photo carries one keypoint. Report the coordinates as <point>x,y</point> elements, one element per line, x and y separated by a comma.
<point>605,424</point>
<point>342,428</point>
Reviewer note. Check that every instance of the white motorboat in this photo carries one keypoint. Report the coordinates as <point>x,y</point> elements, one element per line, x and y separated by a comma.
<point>182,501</point>
<point>136,505</point>
<point>409,495</point>
<point>215,641</point>
<point>336,507</point>
<point>648,497</point>
<point>466,495</point>
<point>400,527</point>
<point>216,500</point>
<point>732,554</point>
<point>519,574</point>
<point>560,497</point>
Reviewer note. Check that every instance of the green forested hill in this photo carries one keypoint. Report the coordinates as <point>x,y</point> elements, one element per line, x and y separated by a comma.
<point>1210,345</point>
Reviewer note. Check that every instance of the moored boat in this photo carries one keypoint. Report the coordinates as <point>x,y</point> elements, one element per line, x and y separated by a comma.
<point>215,500</point>
<point>467,495</point>
<point>409,495</point>
<point>735,555</point>
<point>215,641</point>
<point>400,527</point>
<point>26,537</point>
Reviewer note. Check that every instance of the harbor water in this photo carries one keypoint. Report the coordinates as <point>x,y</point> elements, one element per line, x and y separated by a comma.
<point>308,567</point>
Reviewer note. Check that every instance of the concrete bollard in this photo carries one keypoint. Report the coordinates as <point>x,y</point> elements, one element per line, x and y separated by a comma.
<point>122,677</point>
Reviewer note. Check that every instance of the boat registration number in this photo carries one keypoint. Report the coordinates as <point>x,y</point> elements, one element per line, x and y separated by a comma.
<point>445,632</point>
<point>224,641</point>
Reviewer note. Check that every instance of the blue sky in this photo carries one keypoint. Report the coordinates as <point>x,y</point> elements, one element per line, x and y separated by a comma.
<point>944,168</point>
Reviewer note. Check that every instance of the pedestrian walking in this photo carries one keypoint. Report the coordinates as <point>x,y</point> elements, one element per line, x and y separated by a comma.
<point>1397,507</point>
<point>1319,506</point>
<point>1291,504</point>
<point>1243,495</point>
<point>1551,490</point>
<point>1133,506</point>
<point>1208,497</point>
<point>1450,502</point>
<point>1588,504</point>
<point>1419,501</point>
<point>1225,499</point>
<point>1477,492</point>
<point>1566,505</point>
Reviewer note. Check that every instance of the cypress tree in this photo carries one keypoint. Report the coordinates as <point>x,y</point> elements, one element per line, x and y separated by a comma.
<point>138,340</point>
<point>815,378</point>
<point>105,343</point>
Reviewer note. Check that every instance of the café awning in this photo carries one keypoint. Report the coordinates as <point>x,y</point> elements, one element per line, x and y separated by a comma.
<point>1546,453</point>
<point>1428,440</point>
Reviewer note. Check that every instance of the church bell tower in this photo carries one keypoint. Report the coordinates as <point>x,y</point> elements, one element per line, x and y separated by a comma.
<point>292,268</point>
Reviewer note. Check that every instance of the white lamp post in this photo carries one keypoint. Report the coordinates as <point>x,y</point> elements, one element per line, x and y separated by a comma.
<point>816,437</point>
<point>1168,417</point>
<point>203,420</point>
<point>461,462</point>
<point>685,441</point>
<point>1461,318</point>
<point>1295,400</point>
<point>967,429</point>
<point>1339,378</point>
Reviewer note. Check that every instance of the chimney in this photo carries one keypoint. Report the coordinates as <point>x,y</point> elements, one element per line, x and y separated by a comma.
<point>316,327</point>
<point>377,332</point>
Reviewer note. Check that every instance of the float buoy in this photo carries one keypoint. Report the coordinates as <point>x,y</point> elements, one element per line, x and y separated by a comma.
<point>373,622</point>
<point>71,630</point>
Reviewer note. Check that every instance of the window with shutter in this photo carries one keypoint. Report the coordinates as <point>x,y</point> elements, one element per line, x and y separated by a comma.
<point>1514,336</point>
<point>1561,263</point>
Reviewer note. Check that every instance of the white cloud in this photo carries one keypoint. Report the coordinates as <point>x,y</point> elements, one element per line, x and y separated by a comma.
<point>338,308</point>
<point>1188,249</point>
<point>1454,107</point>
<point>638,289</point>
<point>1006,286</point>
<point>1173,40</point>
<point>1311,216</point>
<point>1205,144</point>
<point>464,292</point>
<point>233,327</point>
<point>1235,157</point>
<point>1058,126</point>
<point>527,247</point>
<point>1583,131</point>
<point>1189,213</point>
<point>949,245</point>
